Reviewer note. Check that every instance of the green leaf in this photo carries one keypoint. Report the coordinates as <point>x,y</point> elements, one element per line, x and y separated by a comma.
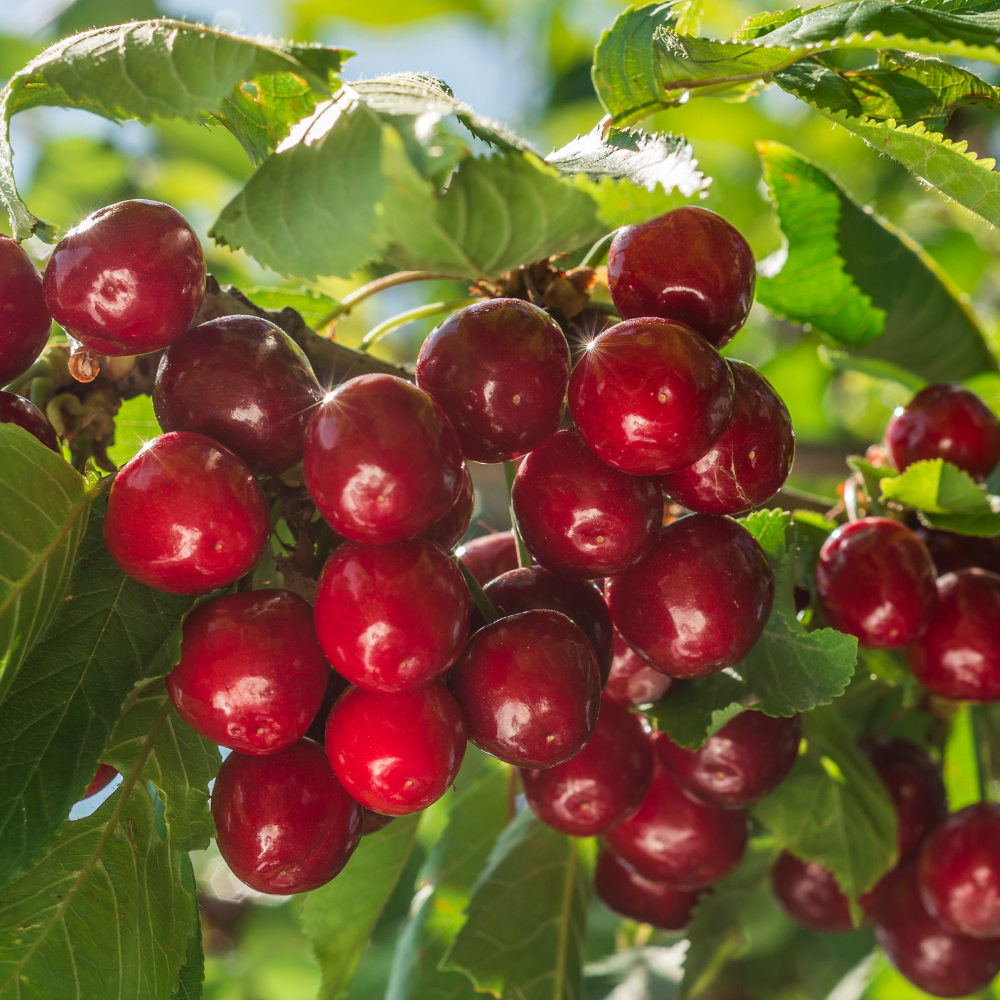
<point>984,525</point>
<point>311,305</point>
<point>135,426</point>
<point>937,487</point>
<point>841,361</point>
<point>192,973</point>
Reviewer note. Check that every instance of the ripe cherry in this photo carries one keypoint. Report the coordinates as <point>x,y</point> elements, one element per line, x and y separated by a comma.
<point>650,396</point>
<point>129,279</point>
<point>810,894</point>
<point>244,382</point>
<point>529,688</point>
<point>24,318</point>
<point>699,602</point>
<point>284,822</point>
<point>489,556</point>
<point>632,681</point>
<point>579,516</point>
<point>186,515</point>
<point>449,530</point>
<point>622,889</point>
<point>335,687</point>
<point>875,580</point>
<point>688,265</point>
<point>103,777</point>
<point>396,753</point>
<point>750,462</point>
<point>15,409</point>
<point>499,369</point>
<point>381,461</point>
<point>391,616</point>
<point>374,822</point>
<point>951,551</point>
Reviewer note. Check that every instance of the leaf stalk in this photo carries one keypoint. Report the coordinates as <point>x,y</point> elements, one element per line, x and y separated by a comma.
<point>401,319</point>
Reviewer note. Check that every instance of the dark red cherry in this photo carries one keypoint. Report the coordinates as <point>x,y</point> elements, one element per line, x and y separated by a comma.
<point>284,822</point>
<point>499,369</point>
<point>335,687</point>
<point>933,957</point>
<point>579,516</point>
<point>632,681</point>
<point>374,822</point>
<point>650,396</point>
<point>810,894</point>
<point>675,839</point>
<point>391,616</point>
<point>381,461</point>
<point>24,319</point>
<point>129,279</point>
<point>15,409</point>
<point>244,382</point>
<point>104,776</point>
<point>622,889</point>
<point>449,530</point>
<point>951,551</point>
<point>749,463</point>
<point>688,265</point>
<point>945,421</point>
<point>699,602</point>
<point>529,688</point>
<point>396,753</point>
<point>186,515</point>
<point>605,782</point>
<point>744,761</point>
<point>489,556</point>
<point>875,580</point>
<point>958,656</point>
<point>959,871</point>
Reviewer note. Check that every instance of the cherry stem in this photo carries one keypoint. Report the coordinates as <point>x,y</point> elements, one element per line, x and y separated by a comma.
<point>348,302</point>
<point>982,744</point>
<point>483,602</point>
<point>39,368</point>
<point>851,498</point>
<point>597,250</point>
<point>523,555</point>
<point>374,335</point>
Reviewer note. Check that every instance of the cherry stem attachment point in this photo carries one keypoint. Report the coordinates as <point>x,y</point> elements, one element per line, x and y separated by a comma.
<point>523,555</point>
<point>40,368</point>
<point>401,319</point>
<point>348,302</point>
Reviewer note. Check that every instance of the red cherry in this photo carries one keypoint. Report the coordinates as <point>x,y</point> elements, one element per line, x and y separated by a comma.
<point>875,580</point>
<point>529,688</point>
<point>251,674</point>
<point>951,551</point>
<point>381,461</point>
<point>489,556</point>
<point>699,602</point>
<point>945,421</point>
<point>104,776</point>
<point>499,369</point>
<point>396,753</point>
<point>622,889</point>
<point>688,265</point>
<point>24,319</point>
<point>605,782</point>
<point>449,530</point>
<point>632,681</point>
<point>186,515</point>
<point>16,409</point>
<point>391,616</point>
<point>650,396</point>
<point>750,462</point>
<point>335,687</point>
<point>129,279</point>
<point>374,822</point>
<point>579,516</point>
<point>284,822</point>
<point>810,894</point>
<point>958,656</point>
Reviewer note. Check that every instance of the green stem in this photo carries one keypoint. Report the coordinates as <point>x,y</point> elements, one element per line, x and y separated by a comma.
<point>597,250</point>
<point>40,367</point>
<point>484,604</point>
<point>523,555</point>
<point>374,335</point>
<point>348,302</point>
<point>982,743</point>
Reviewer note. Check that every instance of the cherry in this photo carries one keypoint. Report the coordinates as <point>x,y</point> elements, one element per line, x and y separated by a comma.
<point>579,516</point>
<point>632,681</point>
<point>499,369</point>
<point>529,688</point>
<point>622,889</point>
<point>744,761</point>
<point>104,776</point>
<point>951,551</point>
<point>489,556</point>
<point>381,461</point>
<point>688,265</point>
<point>391,616</point>
<point>945,421</point>
<point>396,753</point>
<point>699,602</point>
<point>958,656</point>
<point>650,396</point>
<point>374,822</point>
<point>15,409</point>
<point>129,279</point>
<point>675,839</point>
<point>810,894</point>
<point>449,530</point>
<point>605,782</point>
<point>335,687</point>
<point>24,319</point>
<point>284,822</point>
<point>875,580</point>
<point>959,871</point>
<point>244,382</point>
<point>750,462</point>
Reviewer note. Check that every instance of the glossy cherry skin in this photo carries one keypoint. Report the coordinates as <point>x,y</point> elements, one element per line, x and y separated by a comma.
<point>244,382</point>
<point>449,530</point>
<point>396,753</point>
<point>810,894</point>
<point>606,781</point>
<point>675,839</point>
<point>374,822</point>
<point>129,279</point>
<point>699,602</point>
<point>285,824</point>
<point>750,462</point>
<point>499,369</point>
<point>875,580</point>
<point>391,616</point>
<point>945,421</point>
<point>24,318</point>
<point>632,681</point>
<point>186,515</point>
<point>335,687</point>
<point>951,551</point>
<point>15,409</point>
<point>579,516</point>
<point>251,674</point>
<point>622,889</point>
<point>489,556</point>
<point>958,656</point>
<point>650,396</point>
<point>529,688</point>
<point>104,776</point>
<point>381,460</point>
<point>688,265</point>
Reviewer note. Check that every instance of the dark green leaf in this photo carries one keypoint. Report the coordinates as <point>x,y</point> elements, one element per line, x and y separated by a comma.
<point>311,305</point>
<point>192,973</point>
<point>938,487</point>
<point>985,525</point>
